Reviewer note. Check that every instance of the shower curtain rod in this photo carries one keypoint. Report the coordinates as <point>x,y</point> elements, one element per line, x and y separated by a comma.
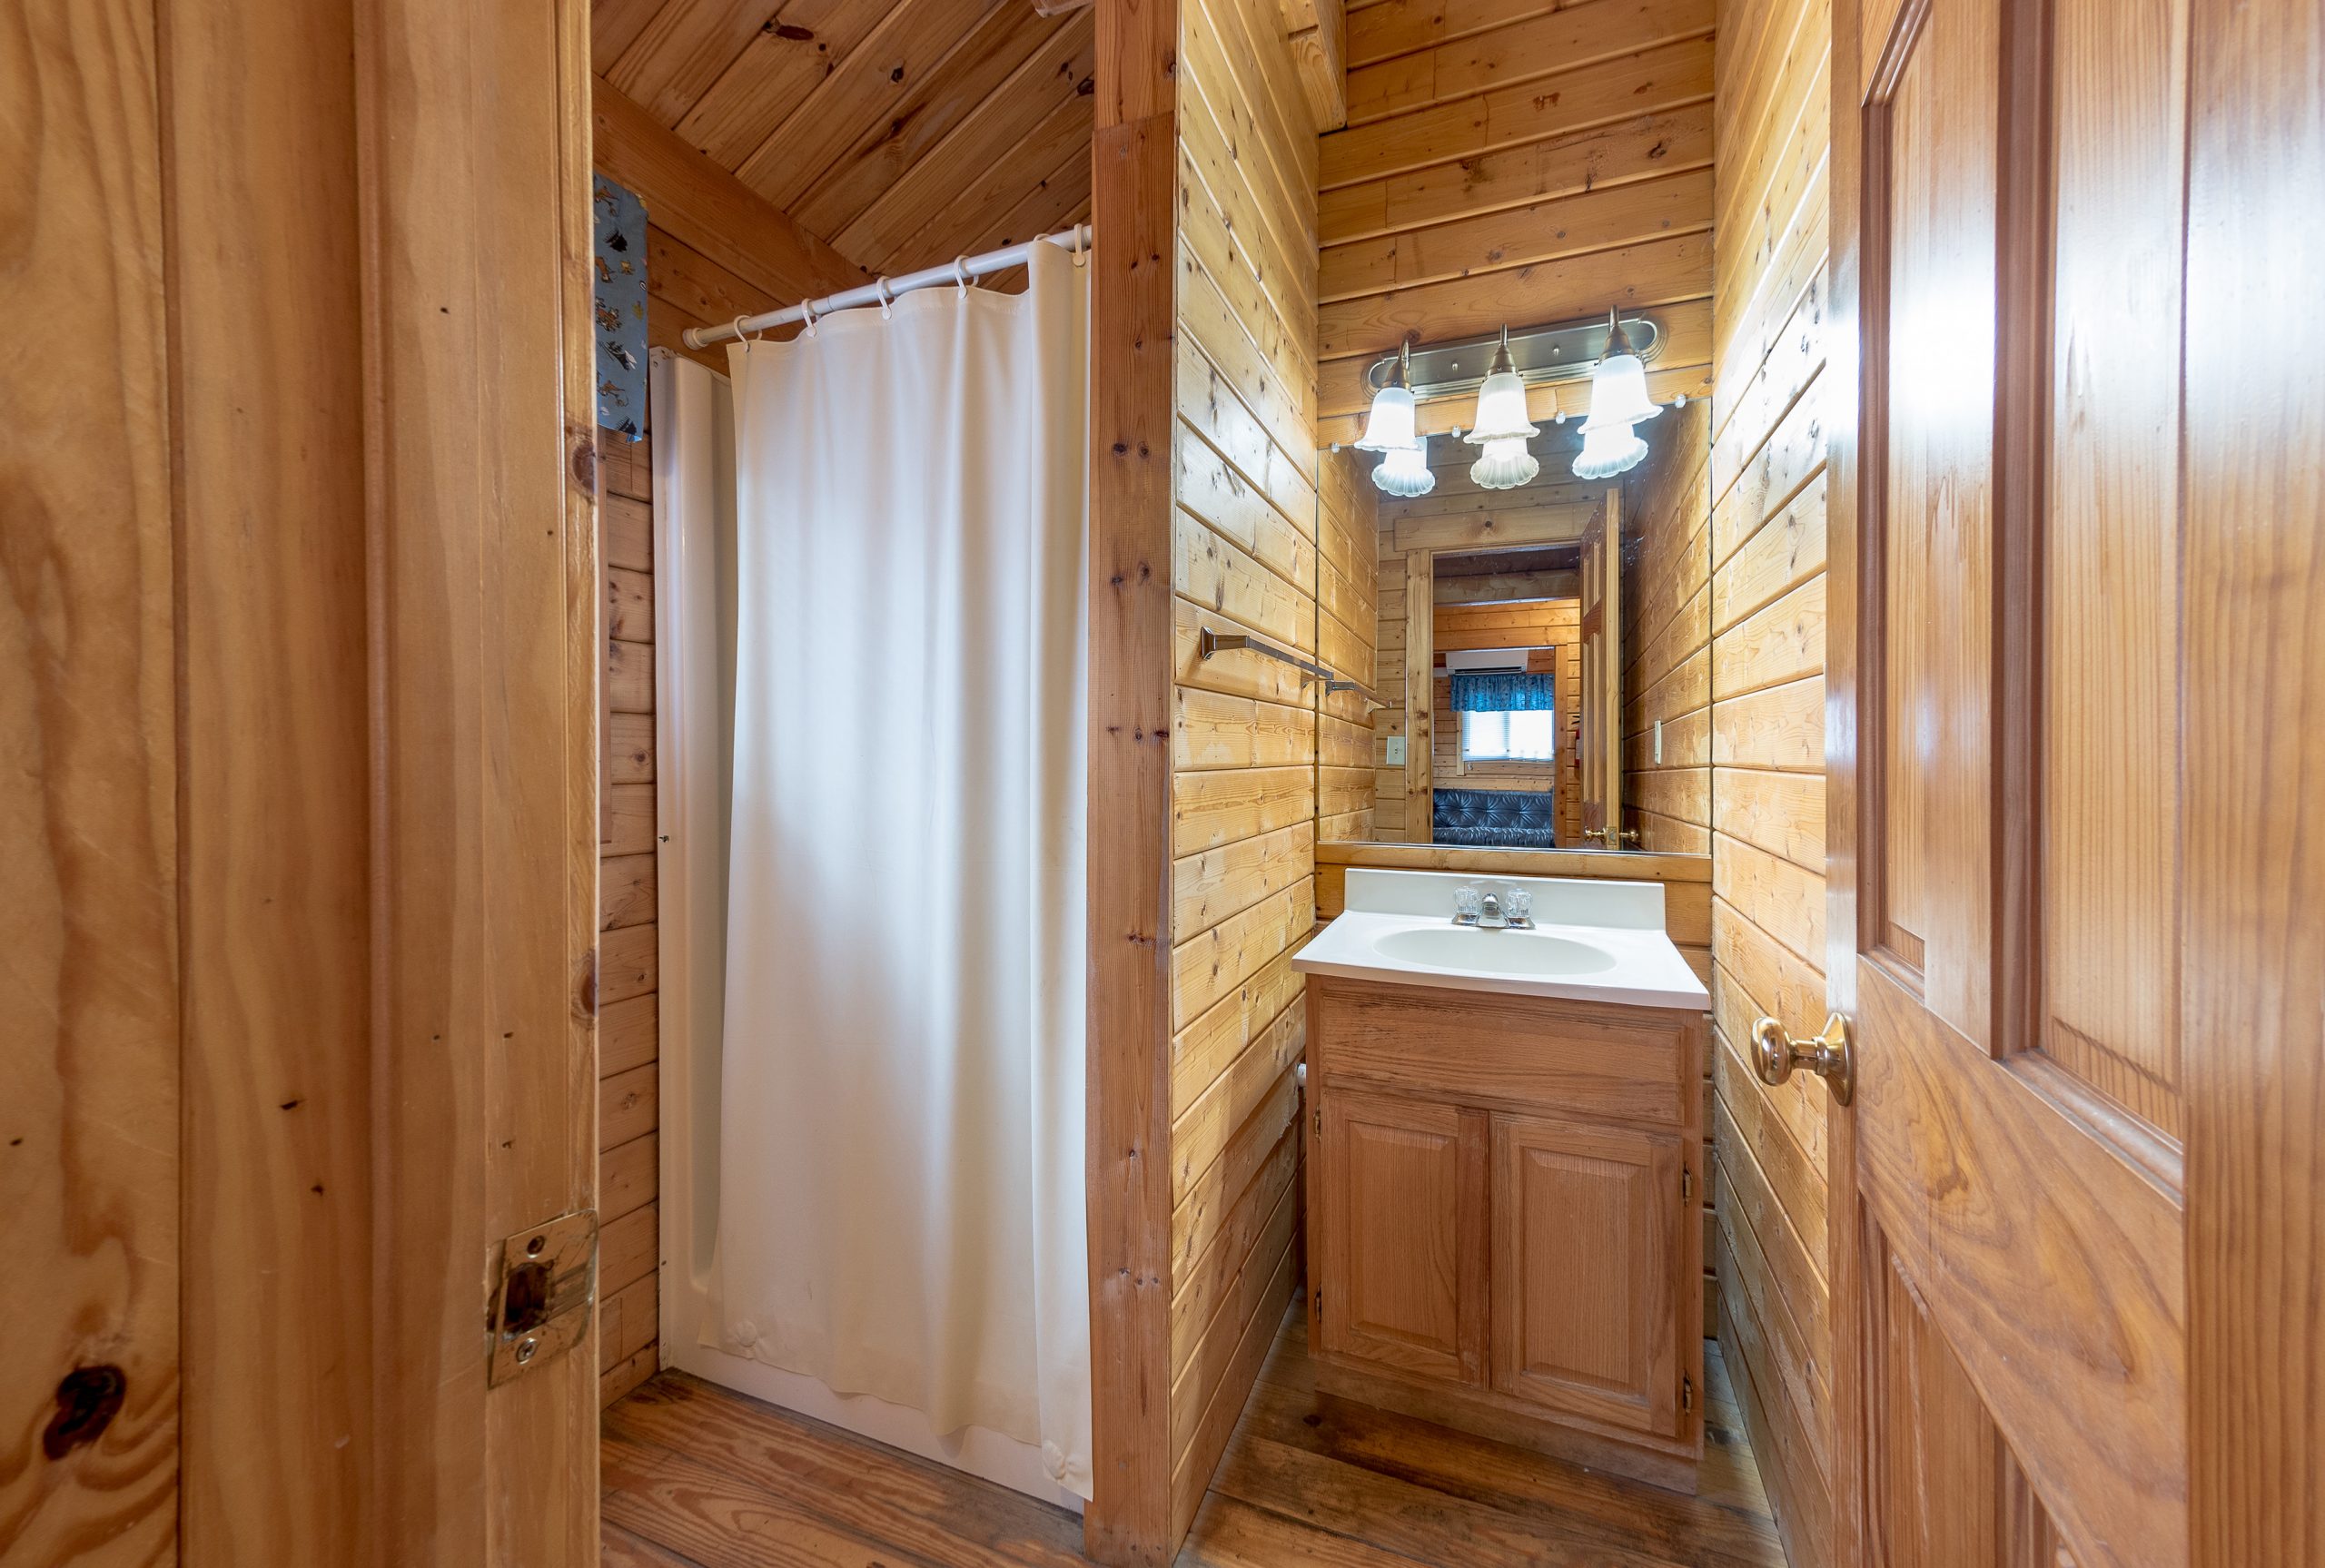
<point>883,290</point>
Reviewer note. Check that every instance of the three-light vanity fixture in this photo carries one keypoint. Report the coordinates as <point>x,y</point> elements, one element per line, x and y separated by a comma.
<point>1613,356</point>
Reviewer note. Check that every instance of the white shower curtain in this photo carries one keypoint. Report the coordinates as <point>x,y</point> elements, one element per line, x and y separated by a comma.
<point>901,1203</point>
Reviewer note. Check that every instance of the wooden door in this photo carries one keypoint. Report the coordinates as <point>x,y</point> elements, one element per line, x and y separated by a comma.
<point>1403,1190</point>
<point>2060,668</point>
<point>297,603</point>
<point>1586,1270</point>
<point>1602,658</point>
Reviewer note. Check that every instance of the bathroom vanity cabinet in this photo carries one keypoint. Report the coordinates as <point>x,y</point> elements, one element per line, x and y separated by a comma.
<point>1503,1232</point>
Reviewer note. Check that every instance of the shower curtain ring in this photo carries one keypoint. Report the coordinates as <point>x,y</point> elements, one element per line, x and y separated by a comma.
<point>807,314</point>
<point>1081,258</point>
<point>960,274</point>
<point>740,336</point>
<point>880,287</point>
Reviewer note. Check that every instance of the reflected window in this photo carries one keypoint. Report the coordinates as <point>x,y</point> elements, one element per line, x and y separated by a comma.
<point>1508,736</point>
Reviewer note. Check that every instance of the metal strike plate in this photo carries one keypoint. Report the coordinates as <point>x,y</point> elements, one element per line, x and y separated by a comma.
<point>547,1284</point>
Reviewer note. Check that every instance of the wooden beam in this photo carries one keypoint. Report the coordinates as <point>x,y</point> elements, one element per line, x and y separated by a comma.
<point>708,208</point>
<point>1319,33</point>
<point>1132,305</point>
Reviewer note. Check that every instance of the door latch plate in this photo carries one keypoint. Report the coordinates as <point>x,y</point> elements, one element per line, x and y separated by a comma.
<point>544,1288</point>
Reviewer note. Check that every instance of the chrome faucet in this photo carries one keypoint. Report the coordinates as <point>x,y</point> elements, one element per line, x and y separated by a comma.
<point>1498,909</point>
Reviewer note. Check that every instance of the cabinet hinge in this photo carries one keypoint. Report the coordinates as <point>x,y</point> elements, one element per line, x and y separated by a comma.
<point>1686,1184</point>
<point>1687,1394</point>
<point>1317,1121</point>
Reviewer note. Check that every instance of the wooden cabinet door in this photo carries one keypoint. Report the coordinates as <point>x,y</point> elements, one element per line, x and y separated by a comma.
<point>1586,1258</point>
<point>1403,1195</point>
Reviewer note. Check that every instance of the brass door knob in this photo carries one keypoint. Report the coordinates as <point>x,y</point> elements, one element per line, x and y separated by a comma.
<point>1830,1055</point>
<point>1618,837</point>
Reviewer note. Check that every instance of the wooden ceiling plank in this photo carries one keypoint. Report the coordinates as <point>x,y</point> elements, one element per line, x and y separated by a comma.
<point>685,48</point>
<point>998,49</point>
<point>912,41</point>
<point>1004,137</point>
<point>1058,200</point>
<point>615,24</point>
<point>957,227</point>
<point>774,73</point>
<point>708,208</point>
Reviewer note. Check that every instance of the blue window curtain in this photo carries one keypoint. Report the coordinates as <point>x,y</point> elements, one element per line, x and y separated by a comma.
<point>1498,692</point>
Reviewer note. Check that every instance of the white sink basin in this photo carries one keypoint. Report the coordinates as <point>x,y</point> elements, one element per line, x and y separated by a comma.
<point>1466,949</point>
<point>1592,940</point>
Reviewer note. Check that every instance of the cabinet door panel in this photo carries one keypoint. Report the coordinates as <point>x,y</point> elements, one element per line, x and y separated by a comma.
<point>1400,1183</point>
<point>1586,1246</point>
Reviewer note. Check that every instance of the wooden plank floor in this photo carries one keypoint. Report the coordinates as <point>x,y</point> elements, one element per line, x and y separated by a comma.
<point>694,1477</point>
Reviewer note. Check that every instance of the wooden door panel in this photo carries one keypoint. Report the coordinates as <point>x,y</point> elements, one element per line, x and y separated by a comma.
<point>1931,170</point>
<point>1947,1491</point>
<point>2055,1264</point>
<point>2110,541</point>
<point>1397,1182</point>
<point>1585,1248</point>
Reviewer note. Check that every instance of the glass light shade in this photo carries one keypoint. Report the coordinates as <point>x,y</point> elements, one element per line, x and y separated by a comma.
<point>1405,470</point>
<point>1390,426</point>
<point>1505,465</point>
<point>1608,452</point>
<point>1618,393</point>
<point>1501,408</point>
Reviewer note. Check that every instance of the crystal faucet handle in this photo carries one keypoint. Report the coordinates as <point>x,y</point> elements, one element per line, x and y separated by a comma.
<point>1517,903</point>
<point>1467,901</point>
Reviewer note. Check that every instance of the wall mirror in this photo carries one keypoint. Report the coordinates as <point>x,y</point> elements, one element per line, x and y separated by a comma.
<point>1538,653</point>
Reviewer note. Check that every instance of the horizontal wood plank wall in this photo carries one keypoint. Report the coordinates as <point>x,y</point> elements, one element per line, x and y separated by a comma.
<point>1244,731</point>
<point>628,1044</point>
<point>1517,164</point>
<point>1552,630</point>
<point>1765,625</point>
<point>1666,638</point>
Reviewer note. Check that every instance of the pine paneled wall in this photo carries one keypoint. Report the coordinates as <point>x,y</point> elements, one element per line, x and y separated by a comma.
<point>629,1070</point>
<point>1515,163</point>
<point>1247,737</point>
<point>1765,624</point>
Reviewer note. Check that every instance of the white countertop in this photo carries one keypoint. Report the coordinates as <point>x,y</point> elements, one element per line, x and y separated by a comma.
<point>1592,940</point>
